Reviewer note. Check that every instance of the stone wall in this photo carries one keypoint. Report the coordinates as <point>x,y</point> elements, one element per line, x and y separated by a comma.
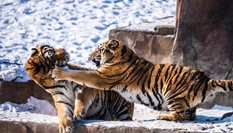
<point>204,36</point>
<point>151,41</point>
<point>204,40</point>
<point>19,92</point>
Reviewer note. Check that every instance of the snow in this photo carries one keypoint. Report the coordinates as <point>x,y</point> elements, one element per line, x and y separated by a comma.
<point>79,26</point>
<point>33,105</point>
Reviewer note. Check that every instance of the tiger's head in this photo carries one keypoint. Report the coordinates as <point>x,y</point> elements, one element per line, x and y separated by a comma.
<point>50,55</point>
<point>44,51</point>
<point>43,59</point>
<point>111,52</point>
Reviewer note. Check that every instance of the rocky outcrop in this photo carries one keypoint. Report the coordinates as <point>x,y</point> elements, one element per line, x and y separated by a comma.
<point>19,92</point>
<point>32,127</point>
<point>203,39</point>
<point>151,41</point>
<point>27,127</point>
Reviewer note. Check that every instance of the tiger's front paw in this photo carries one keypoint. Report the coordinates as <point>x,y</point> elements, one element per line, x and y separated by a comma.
<point>59,73</point>
<point>66,125</point>
<point>79,113</point>
<point>61,57</point>
<point>78,116</point>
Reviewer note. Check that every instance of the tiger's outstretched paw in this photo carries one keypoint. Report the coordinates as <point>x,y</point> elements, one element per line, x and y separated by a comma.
<point>59,73</point>
<point>60,63</point>
<point>61,57</point>
<point>66,125</point>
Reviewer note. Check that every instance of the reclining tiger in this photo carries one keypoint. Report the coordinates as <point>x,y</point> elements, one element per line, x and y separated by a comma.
<point>71,99</point>
<point>174,90</point>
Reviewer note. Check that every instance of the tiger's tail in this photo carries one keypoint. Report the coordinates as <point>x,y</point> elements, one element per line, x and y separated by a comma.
<point>221,85</point>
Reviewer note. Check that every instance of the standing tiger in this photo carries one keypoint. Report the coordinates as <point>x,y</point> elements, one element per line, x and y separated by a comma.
<point>71,99</point>
<point>174,90</point>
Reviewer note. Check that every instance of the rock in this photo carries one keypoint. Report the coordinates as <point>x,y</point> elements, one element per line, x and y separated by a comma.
<point>151,41</point>
<point>19,92</point>
<point>12,127</point>
<point>34,127</point>
<point>16,92</point>
<point>203,40</point>
<point>164,30</point>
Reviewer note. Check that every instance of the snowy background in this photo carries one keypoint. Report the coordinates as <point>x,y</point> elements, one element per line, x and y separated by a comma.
<point>79,26</point>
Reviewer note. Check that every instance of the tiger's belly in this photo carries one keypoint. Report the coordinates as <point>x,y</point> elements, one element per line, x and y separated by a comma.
<point>147,99</point>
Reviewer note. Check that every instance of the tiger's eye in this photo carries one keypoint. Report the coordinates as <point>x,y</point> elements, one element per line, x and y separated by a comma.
<point>112,46</point>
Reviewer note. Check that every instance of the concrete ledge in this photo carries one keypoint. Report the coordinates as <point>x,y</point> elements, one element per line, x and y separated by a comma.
<point>24,122</point>
<point>27,127</point>
<point>32,127</point>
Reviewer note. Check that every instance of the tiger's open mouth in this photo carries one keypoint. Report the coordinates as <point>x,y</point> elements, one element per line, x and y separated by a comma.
<point>97,62</point>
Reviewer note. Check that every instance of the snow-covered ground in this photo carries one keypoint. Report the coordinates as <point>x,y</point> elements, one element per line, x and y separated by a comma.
<point>79,26</point>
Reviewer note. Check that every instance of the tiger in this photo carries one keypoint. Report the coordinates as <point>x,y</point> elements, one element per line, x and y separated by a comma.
<point>74,101</point>
<point>173,90</point>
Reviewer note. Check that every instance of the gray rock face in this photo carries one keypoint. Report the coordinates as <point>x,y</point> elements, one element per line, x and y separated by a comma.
<point>19,92</point>
<point>204,40</point>
<point>148,40</point>
<point>204,35</point>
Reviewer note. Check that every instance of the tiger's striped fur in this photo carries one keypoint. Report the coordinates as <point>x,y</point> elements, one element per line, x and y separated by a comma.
<point>71,99</point>
<point>174,90</point>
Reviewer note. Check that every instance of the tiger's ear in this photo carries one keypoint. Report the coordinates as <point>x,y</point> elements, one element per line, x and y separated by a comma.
<point>34,51</point>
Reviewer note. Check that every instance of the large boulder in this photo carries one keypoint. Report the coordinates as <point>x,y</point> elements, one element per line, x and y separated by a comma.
<point>19,92</point>
<point>204,39</point>
<point>151,41</point>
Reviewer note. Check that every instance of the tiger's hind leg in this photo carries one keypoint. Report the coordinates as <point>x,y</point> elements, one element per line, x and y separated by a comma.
<point>189,114</point>
<point>177,108</point>
<point>171,116</point>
